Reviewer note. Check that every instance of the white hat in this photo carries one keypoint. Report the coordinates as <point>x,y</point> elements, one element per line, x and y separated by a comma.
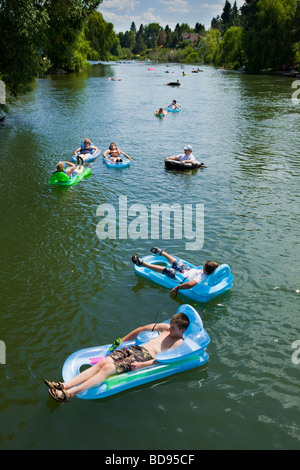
<point>188,147</point>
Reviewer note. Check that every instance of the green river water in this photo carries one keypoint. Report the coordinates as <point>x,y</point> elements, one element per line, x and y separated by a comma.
<point>63,288</point>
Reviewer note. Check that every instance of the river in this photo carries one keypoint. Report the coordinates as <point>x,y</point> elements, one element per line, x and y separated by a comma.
<point>64,289</point>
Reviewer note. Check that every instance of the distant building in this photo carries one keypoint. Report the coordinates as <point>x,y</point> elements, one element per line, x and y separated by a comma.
<point>193,37</point>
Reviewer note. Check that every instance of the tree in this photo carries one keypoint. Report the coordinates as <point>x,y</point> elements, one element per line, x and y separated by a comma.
<point>100,34</point>
<point>140,45</point>
<point>133,27</point>
<point>199,28</point>
<point>217,23</point>
<point>168,32</point>
<point>162,38</point>
<point>23,25</point>
<point>151,34</point>
<point>232,53</point>
<point>268,42</point>
<point>226,15</point>
<point>211,45</point>
<point>66,20</point>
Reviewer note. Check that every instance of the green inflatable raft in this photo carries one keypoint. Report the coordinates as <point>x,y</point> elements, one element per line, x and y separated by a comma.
<point>61,179</point>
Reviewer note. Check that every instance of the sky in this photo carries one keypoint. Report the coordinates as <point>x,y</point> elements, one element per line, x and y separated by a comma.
<point>123,12</point>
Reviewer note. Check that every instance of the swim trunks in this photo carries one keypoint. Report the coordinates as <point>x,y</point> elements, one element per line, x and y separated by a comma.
<point>190,274</point>
<point>180,267</point>
<point>124,357</point>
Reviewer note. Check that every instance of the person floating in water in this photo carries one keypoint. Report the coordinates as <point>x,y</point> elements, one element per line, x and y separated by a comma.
<point>186,157</point>
<point>69,168</point>
<point>193,276</point>
<point>124,359</point>
<point>174,105</point>
<point>160,112</point>
<point>86,151</point>
<point>114,154</point>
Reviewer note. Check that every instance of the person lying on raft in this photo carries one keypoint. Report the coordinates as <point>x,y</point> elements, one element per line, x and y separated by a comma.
<point>124,359</point>
<point>193,275</point>
<point>160,112</point>
<point>174,105</point>
<point>86,151</point>
<point>114,154</point>
<point>186,157</point>
<point>69,168</point>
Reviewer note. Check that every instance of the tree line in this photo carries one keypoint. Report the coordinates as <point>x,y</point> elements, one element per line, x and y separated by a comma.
<point>38,36</point>
<point>260,35</point>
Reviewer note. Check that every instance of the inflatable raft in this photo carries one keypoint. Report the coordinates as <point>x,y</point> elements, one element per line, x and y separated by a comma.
<point>170,109</point>
<point>61,179</point>
<point>215,284</point>
<point>190,354</point>
<point>175,165</point>
<point>92,157</point>
<point>111,164</point>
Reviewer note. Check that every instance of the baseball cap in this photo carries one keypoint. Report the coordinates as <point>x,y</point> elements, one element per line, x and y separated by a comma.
<point>188,147</point>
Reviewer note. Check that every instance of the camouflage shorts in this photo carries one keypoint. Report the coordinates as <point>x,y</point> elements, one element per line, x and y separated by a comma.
<point>124,357</point>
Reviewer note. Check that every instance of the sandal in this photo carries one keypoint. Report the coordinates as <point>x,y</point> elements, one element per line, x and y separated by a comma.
<point>61,398</point>
<point>136,260</point>
<point>55,385</point>
<point>156,251</point>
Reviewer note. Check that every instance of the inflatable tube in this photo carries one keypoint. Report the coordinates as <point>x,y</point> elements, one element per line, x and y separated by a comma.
<point>216,283</point>
<point>171,110</point>
<point>61,179</point>
<point>173,84</point>
<point>93,156</point>
<point>187,356</point>
<point>175,165</point>
<point>111,164</point>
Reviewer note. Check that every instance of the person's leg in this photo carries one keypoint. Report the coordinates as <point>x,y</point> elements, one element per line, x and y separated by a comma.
<point>91,377</point>
<point>154,267</point>
<point>170,258</point>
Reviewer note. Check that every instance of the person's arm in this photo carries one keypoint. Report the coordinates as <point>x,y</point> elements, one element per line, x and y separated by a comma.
<point>185,285</point>
<point>171,158</point>
<point>151,327</point>
<point>125,154</point>
<point>139,365</point>
<point>70,169</point>
<point>93,147</point>
<point>191,160</point>
<point>105,153</point>
<point>78,150</point>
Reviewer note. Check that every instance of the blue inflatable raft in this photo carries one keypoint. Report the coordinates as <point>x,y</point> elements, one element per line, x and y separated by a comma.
<point>190,354</point>
<point>111,164</point>
<point>170,109</point>
<point>92,157</point>
<point>216,283</point>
